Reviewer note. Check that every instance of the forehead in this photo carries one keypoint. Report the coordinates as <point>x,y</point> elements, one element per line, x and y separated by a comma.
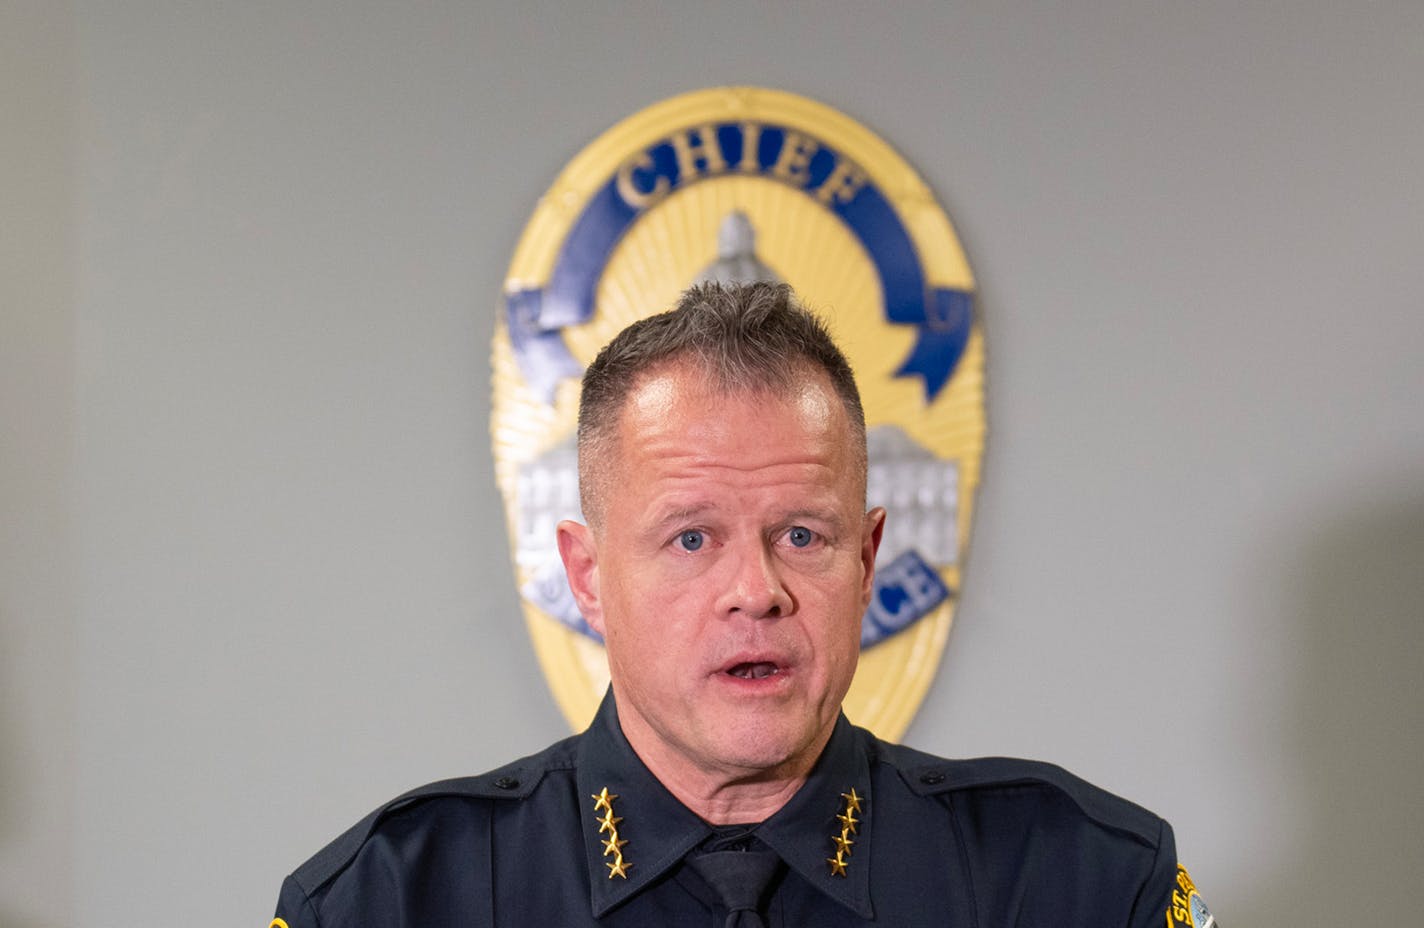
<point>679,421</point>
<point>682,397</point>
<point>683,442</point>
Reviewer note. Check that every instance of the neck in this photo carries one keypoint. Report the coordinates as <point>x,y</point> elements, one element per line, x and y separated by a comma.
<point>722,794</point>
<point>735,803</point>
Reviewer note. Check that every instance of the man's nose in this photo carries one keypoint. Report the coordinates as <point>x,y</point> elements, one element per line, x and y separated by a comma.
<point>756,587</point>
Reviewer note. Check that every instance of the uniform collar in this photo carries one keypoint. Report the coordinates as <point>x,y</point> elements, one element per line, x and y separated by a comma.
<point>659,830</point>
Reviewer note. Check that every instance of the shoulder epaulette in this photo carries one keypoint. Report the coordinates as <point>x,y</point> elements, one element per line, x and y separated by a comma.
<point>513,781</point>
<point>928,775</point>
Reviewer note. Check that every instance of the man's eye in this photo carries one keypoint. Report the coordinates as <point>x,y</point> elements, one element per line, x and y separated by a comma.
<point>690,540</point>
<point>800,537</point>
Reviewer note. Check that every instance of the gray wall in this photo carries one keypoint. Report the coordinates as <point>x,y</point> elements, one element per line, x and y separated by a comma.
<point>253,577</point>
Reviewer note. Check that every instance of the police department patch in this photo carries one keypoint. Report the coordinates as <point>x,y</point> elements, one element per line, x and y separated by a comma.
<point>1188,909</point>
<point>740,184</point>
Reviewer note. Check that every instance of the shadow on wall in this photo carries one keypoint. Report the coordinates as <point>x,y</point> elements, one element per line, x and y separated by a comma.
<point>1357,735</point>
<point>12,790</point>
<point>7,921</point>
<point>10,747</point>
<point>29,852</point>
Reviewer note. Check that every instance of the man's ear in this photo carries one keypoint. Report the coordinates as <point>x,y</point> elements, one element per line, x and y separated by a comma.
<point>579,553</point>
<point>869,545</point>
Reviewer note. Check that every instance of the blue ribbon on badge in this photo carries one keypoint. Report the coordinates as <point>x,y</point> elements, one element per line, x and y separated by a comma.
<point>905,591</point>
<point>538,346</point>
<point>942,316</point>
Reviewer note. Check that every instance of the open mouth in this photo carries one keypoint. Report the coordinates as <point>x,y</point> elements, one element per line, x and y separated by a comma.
<point>754,670</point>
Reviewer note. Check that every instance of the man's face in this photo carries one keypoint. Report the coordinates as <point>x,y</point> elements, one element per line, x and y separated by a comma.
<point>729,573</point>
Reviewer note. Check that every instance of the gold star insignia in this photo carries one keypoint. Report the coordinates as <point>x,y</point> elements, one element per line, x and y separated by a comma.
<point>843,840</point>
<point>608,824</point>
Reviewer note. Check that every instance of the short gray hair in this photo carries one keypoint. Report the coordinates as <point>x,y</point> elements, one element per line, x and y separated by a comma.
<point>745,337</point>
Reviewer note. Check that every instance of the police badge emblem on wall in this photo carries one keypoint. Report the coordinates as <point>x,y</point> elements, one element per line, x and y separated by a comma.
<point>740,184</point>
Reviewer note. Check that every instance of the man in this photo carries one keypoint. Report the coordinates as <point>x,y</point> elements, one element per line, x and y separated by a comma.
<point>727,562</point>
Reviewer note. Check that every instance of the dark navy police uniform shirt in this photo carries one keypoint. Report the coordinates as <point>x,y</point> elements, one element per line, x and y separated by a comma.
<point>583,834</point>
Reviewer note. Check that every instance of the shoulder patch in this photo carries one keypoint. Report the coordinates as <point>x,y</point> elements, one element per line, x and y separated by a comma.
<point>1188,909</point>
<point>928,775</point>
<point>513,781</point>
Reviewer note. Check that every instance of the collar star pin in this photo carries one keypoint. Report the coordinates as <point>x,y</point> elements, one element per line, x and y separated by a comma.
<point>849,826</point>
<point>608,822</point>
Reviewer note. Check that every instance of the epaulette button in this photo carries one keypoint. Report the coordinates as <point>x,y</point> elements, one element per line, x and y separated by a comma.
<point>506,783</point>
<point>933,778</point>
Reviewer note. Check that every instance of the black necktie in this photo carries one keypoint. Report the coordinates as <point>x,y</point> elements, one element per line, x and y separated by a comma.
<point>740,878</point>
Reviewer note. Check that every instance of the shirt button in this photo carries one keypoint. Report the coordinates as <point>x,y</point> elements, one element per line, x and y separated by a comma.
<point>506,783</point>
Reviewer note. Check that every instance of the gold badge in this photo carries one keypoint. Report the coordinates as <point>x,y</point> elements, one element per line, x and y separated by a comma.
<point>736,184</point>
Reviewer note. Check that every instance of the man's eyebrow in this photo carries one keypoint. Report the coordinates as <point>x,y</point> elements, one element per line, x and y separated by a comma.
<point>829,515</point>
<point>682,514</point>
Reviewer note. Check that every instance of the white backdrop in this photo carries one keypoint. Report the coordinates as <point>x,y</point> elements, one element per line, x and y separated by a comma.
<point>253,571</point>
